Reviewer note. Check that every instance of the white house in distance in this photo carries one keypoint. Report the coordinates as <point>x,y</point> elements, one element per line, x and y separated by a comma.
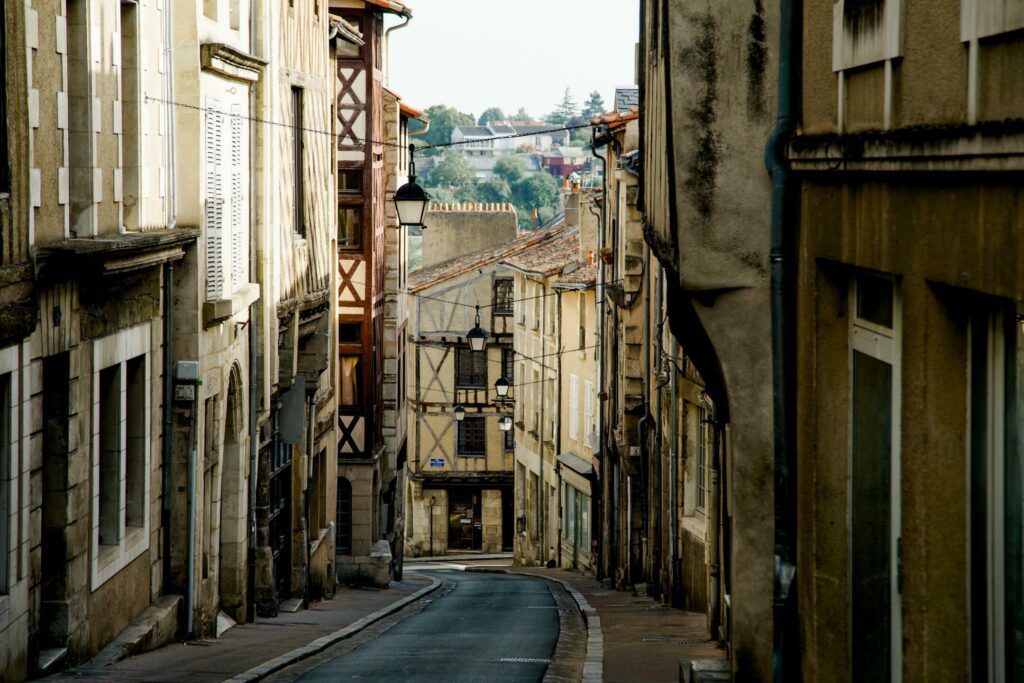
<point>479,140</point>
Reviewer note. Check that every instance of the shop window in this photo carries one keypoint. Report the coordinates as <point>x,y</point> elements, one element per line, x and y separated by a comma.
<point>110,455</point>
<point>135,450</point>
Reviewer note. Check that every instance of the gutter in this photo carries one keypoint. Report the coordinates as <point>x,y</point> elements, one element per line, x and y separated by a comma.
<point>387,43</point>
<point>785,653</point>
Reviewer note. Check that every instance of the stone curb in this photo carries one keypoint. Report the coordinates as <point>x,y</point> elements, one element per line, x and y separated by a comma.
<point>460,558</point>
<point>593,664</point>
<point>320,644</point>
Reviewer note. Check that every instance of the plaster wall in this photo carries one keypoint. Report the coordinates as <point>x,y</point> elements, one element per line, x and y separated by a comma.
<point>454,230</point>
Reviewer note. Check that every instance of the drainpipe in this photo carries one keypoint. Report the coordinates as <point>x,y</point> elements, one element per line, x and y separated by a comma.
<point>599,328</point>
<point>407,15</point>
<point>657,424</point>
<point>642,425</point>
<point>784,664</point>
<point>254,330</point>
<point>542,494</point>
<point>558,430</point>
<point>167,442</point>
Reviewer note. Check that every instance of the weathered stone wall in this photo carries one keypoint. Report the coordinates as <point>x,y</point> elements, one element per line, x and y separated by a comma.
<point>456,229</point>
<point>491,518</point>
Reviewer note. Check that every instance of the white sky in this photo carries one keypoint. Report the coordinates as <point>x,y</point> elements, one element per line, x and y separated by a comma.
<point>474,54</point>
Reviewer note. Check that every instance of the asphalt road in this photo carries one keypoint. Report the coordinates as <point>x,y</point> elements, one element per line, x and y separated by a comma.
<point>490,627</point>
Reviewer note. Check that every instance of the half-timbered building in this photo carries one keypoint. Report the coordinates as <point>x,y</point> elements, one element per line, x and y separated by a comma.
<point>459,495</point>
<point>360,281</point>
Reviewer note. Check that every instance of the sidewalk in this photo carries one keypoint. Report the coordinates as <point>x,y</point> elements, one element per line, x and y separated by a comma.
<point>248,645</point>
<point>643,640</point>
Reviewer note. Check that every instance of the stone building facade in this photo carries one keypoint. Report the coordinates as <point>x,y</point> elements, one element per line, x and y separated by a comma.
<point>459,490</point>
<point>89,238</point>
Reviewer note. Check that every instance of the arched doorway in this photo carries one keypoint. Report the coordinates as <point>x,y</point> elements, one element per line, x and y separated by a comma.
<point>234,503</point>
<point>343,518</point>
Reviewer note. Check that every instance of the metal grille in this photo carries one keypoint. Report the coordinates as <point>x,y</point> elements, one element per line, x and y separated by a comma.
<point>471,368</point>
<point>473,435</point>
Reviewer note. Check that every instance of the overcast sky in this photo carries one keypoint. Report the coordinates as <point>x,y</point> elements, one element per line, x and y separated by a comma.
<point>475,54</point>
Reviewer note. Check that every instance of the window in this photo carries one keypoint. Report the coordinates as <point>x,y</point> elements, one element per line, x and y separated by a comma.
<point>130,95</point>
<point>589,421</point>
<point>503,296</point>
<point>235,14</point>
<point>994,513</point>
<point>5,166</point>
<point>298,179</point>
<point>581,308</point>
<point>351,381</point>
<point>6,441</point>
<point>317,514</point>
<point>874,481</point>
<point>349,333</point>
<point>510,440</point>
<point>470,369</point>
<point>473,436</point>
<point>350,180</point>
<point>343,518</point>
<point>349,227</point>
<point>120,443</point>
<point>226,215</point>
<point>703,448</point>
<point>81,221</point>
<point>574,406</point>
<point>508,370</point>
<point>210,9</point>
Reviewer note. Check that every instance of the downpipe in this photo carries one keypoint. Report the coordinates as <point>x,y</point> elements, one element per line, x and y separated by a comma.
<point>604,500</point>
<point>785,656</point>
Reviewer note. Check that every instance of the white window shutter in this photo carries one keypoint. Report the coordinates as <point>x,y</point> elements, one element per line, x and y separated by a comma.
<point>238,199</point>
<point>214,201</point>
<point>589,425</point>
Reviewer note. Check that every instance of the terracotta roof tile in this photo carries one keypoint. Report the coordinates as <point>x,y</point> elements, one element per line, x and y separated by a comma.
<point>584,275</point>
<point>548,258</point>
<point>614,119</point>
<point>437,273</point>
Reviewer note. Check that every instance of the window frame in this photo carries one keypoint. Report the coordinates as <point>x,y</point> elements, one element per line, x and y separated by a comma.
<point>478,375</point>
<point>463,434</point>
<point>504,301</point>
<point>298,163</point>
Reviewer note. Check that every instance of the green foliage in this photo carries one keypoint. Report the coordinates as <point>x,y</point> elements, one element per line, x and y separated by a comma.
<point>594,106</point>
<point>536,191</point>
<point>443,121</point>
<point>545,213</point>
<point>582,134</point>
<point>453,171</point>
<point>510,169</point>
<point>490,115</point>
<point>565,110</point>
<point>522,115</point>
<point>494,190</point>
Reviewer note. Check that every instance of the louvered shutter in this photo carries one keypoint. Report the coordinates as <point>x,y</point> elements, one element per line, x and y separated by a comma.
<point>589,425</point>
<point>239,199</point>
<point>214,200</point>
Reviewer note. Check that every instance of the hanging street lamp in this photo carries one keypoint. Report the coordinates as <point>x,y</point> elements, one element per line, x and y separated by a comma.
<point>410,199</point>
<point>502,385</point>
<point>505,423</point>
<point>477,336</point>
<point>459,413</point>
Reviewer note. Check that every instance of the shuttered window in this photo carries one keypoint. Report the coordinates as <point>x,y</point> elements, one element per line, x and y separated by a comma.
<point>227,196</point>
<point>589,423</point>
<point>574,407</point>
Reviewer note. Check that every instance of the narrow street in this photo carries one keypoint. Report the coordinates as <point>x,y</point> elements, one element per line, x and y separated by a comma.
<point>487,627</point>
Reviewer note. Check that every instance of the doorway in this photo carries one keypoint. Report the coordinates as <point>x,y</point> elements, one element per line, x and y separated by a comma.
<point>56,405</point>
<point>465,530</point>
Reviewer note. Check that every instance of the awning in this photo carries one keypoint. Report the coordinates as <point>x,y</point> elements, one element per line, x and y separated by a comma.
<point>577,464</point>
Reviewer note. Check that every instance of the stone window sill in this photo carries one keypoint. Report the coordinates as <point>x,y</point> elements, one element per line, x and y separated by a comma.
<point>219,310</point>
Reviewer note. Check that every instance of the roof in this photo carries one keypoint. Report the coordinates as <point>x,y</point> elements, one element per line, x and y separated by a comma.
<point>470,131</point>
<point>538,128</point>
<point>549,258</point>
<point>440,272</point>
<point>614,119</point>
<point>391,6</point>
<point>344,30</point>
<point>627,97</point>
<point>412,112</point>
<point>584,275</point>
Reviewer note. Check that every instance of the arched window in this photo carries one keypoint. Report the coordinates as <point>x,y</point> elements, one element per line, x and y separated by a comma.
<point>343,518</point>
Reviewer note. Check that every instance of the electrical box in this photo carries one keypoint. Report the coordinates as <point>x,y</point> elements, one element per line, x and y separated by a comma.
<point>186,371</point>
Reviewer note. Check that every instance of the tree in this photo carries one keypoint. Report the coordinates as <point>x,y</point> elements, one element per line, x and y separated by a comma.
<point>594,106</point>
<point>536,191</point>
<point>453,171</point>
<point>494,190</point>
<point>491,115</point>
<point>565,110</point>
<point>510,169</point>
<point>443,120</point>
<point>521,115</point>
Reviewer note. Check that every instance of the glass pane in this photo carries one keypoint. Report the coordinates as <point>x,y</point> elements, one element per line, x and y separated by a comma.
<point>349,226</point>
<point>1015,510</point>
<point>870,525</point>
<point>351,380</point>
<point>874,300</point>
<point>350,180</point>
<point>348,333</point>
